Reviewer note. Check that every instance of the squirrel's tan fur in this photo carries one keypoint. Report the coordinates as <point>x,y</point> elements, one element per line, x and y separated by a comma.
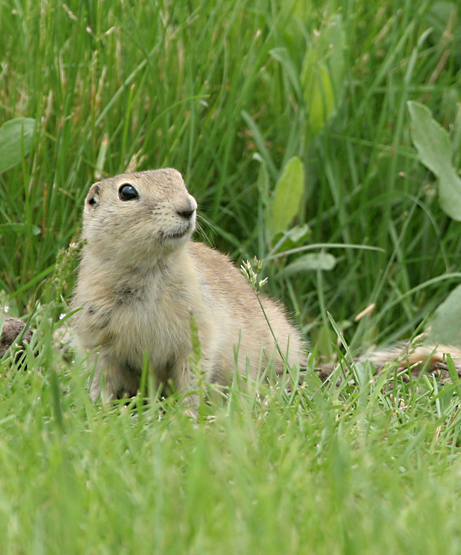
<point>142,278</point>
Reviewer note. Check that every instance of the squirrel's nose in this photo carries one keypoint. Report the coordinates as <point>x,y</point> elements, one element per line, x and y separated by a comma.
<point>186,214</point>
<point>188,210</point>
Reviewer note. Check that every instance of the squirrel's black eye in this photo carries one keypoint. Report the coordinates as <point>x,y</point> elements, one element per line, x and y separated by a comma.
<point>127,192</point>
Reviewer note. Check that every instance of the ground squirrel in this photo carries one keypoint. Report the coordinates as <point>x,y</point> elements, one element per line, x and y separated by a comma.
<point>140,280</point>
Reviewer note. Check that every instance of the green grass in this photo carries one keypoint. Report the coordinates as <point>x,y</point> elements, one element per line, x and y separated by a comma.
<point>219,90</point>
<point>353,469</point>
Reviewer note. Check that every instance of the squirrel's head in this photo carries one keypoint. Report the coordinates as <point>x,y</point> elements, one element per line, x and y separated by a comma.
<point>143,215</point>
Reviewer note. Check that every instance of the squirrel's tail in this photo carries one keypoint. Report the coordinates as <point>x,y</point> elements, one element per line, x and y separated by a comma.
<point>407,355</point>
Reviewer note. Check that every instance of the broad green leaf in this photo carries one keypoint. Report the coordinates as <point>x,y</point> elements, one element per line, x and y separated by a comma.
<point>15,141</point>
<point>322,76</point>
<point>430,139</point>
<point>318,261</point>
<point>444,324</point>
<point>434,149</point>
<point>296,234</point>
<point>263,184</point>
<point>291,238</point>
<point>319,97</point>
<point>287,195</point>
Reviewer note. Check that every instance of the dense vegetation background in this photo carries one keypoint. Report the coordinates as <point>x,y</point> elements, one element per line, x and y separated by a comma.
<point>218,89</point>
<point>228,92</point>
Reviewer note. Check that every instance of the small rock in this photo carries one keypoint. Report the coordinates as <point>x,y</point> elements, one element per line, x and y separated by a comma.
<point>12,327</point>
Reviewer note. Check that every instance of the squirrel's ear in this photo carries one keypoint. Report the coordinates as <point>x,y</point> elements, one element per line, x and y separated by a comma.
<point>92,198</point>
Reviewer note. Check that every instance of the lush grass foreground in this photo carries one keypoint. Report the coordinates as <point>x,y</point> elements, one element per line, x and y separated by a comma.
<point>228,93</point>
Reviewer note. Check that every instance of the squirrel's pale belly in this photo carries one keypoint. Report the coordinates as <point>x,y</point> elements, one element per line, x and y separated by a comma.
<point>147,322</point>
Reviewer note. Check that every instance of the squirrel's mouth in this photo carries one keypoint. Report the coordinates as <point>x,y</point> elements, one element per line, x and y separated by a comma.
<point>177,234</point>
<point>180,232</point>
